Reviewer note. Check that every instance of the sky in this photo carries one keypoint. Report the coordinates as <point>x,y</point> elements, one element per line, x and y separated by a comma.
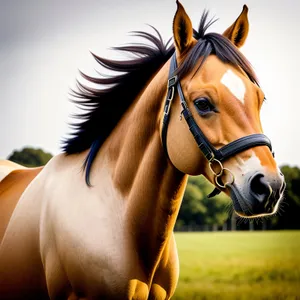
<point>43,44</point>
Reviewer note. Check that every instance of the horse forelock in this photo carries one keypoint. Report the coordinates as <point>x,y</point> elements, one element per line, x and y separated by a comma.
<point>214,44</point>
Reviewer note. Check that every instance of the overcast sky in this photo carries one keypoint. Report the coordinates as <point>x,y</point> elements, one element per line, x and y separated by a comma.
<point>44,43</point>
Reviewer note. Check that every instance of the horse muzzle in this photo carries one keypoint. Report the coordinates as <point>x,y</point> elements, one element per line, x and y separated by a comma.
<point>260,195</point>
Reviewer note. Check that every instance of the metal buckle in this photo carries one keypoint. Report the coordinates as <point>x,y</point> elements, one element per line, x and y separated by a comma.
<point>169,100</point>
<point>172,81</point>
<point>171,91</point>
<point>215,163</point>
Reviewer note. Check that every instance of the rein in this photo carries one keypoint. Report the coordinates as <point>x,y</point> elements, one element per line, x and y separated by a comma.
<point>214,156</point>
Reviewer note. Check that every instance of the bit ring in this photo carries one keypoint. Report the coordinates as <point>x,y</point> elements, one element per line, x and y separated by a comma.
<point>220,183</point>
<point>218,164</point>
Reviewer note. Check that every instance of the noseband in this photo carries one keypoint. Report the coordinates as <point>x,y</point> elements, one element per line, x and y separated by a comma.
<point>214,156</point>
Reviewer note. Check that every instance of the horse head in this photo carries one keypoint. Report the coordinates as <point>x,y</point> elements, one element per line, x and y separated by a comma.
<point>224,99</point>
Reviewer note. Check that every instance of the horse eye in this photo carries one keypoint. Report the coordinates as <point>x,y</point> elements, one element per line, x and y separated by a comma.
<point>203,106</point>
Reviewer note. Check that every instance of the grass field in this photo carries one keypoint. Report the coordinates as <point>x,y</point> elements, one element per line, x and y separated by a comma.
<point>239,265</point>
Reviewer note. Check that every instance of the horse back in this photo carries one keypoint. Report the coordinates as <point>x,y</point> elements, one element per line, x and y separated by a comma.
<point>7,166</point>
<point>12,187</point>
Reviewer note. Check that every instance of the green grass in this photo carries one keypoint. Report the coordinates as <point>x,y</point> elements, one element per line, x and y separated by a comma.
<point>239,265</point>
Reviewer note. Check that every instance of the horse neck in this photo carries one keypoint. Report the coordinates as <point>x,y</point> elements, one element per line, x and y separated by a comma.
<point>151,186</point>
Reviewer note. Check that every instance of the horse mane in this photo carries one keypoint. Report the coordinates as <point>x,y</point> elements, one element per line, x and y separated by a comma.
<point>104,106</point>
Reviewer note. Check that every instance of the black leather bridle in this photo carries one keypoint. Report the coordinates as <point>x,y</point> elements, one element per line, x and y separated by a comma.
<point>213,155</point>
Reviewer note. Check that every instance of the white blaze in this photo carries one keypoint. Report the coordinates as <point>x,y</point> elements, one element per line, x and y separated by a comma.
<point>235,85</point>
<point>252,164</point>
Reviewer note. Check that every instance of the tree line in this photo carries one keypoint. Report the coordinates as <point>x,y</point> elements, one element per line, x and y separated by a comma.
<point>198,211</point>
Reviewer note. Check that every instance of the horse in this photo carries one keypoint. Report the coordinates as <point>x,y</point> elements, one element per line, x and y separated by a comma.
<point>97,221</point>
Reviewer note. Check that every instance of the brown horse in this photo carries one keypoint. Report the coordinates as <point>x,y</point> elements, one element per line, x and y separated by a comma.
<point>97,222</point>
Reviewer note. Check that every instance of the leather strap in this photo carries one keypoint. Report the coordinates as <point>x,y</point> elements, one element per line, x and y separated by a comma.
<point>170,95</point>
<point>242,144</point>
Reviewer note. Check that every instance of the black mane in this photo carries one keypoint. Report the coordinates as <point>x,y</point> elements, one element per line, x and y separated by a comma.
<point>105,106</point>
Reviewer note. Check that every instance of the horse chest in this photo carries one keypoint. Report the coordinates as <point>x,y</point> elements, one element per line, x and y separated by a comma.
<point>82,236</point>
<point>86,244</point>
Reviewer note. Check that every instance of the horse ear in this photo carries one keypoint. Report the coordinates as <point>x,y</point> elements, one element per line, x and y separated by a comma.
<point>238,31</point>
<point>182,29</point>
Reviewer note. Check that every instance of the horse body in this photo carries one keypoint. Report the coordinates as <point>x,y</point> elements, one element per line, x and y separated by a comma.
<point>112,237</point>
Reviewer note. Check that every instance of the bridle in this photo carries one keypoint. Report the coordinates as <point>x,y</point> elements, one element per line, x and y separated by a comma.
<point>214,156</point>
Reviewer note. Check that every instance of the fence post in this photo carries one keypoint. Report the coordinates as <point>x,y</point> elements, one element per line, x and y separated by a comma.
<point>215,227</point>
<point>251,226</point>
<point>264,225</point>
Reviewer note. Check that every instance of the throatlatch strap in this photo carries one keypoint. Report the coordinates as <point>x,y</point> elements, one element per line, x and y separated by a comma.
<point>164,133</point>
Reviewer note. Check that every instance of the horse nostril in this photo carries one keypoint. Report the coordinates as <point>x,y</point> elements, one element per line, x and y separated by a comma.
<point>265,192</point>
<point>259,185</point>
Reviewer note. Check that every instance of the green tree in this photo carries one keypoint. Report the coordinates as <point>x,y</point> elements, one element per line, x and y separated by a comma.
<point>30,157</point>
<point>197,209</point>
